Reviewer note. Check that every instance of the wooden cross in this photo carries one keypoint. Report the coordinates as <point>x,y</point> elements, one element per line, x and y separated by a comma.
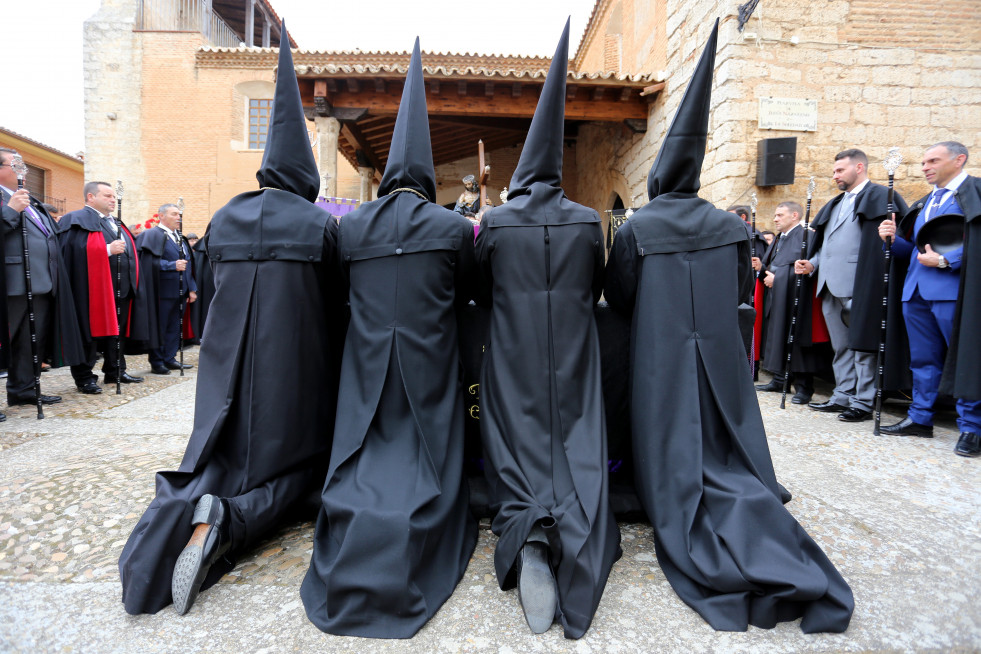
<point>484,174</point>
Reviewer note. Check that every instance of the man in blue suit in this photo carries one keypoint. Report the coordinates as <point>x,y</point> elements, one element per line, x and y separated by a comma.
<point>930,294</point>
<point>164,261</point>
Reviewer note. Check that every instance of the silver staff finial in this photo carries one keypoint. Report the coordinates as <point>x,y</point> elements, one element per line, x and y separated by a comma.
<point>893,159</point>
<point>119,189</point>
<point>754,201</point>
<point>810,188</point>
<point>18,166</point>
<point>180,205</point>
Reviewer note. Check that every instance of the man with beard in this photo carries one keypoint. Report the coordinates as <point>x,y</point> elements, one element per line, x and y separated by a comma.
<point>849,263</point>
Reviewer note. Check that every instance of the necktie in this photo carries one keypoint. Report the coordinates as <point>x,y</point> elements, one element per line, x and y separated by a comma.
<point>36,218</point>
<point>938,199</point>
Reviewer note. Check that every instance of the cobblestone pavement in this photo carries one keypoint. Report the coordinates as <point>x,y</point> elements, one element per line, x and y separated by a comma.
<point>900,517</point>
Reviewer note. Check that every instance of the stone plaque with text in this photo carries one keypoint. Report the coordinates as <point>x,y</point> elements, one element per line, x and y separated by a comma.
<point>788,113</point>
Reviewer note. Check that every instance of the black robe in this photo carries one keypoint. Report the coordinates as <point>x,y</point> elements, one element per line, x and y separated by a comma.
<point>264,403</point>
<point>542,420</point>
<point>204,277</point>
<point>723,538</point>
<point>150,245</point>
<point>962,368</point>
<point>865,320</point>
<point>811,349</point>
<point>395,532</point>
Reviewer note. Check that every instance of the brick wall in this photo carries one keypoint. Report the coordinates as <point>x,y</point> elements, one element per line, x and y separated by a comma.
<point>63,179</point>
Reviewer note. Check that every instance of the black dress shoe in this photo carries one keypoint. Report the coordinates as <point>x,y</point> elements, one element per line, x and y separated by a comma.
<point>210,540</point>
<point>969,444</point>
<point>45,399</point>
<point>772,387</point>
<point>159,370</point>
<point>90,388</point>
<point>536,586</point>
<point>800,398</point>
<point>907,427</point>
<point>854,415</point>
<point>828,407</point>
<point>124,378</point>
<point>173,365</point>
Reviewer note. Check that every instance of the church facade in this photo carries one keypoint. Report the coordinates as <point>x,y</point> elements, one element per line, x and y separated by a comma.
<point>175,107</point>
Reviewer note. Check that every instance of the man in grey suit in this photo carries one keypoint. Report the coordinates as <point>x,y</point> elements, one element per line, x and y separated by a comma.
<point>44,259</point>
<point>846,262</point>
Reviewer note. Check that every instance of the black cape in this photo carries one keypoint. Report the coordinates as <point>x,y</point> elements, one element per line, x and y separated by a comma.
<point>149,245</point>
<point>204,277</point>
<point>542,419</point>
<point>962,369</point>
<point>395,533</point>
<point>723,538</point>
<point>74,229</point>
<point>866,311</point>
<point>258,439</point>
<point>809,355</point>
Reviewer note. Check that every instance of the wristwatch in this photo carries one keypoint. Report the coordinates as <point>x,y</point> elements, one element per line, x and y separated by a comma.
<point>943,262</point>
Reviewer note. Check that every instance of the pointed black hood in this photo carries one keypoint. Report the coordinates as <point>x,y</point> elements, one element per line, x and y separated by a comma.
<point>288,163</point>
<point>535,196</point>
<point>676,219</point>
<point>678,165</point>
<point>541,155</point>
<point>410,158</point>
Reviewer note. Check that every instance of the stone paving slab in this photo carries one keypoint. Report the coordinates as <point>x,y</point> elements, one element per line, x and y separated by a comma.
<point>899,517</point>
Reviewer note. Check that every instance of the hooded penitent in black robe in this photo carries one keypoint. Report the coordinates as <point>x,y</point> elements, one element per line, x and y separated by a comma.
<point>204,277</point>
<point>704,475</point>
<point>395,532</point>
<point>259,441</point>
<point>540,258</point>
<point>962,368</point>
<point>864,323</point>
<point>812,350</point>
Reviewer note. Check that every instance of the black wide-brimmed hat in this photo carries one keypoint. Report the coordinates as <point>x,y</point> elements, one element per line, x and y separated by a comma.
<point>943,233</point>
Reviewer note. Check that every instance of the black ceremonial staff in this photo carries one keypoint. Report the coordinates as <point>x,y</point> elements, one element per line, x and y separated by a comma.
<point>798,291</point>
<point>753,202</point>
<point>20,169</point>
<point>180,283</point>
<point>893,159</point>
<point>119,284</point>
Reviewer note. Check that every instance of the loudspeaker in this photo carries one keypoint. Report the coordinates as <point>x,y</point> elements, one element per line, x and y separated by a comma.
<point>775,160</point>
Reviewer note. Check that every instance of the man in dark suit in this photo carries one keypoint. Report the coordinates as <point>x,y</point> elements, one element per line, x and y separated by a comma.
<point>777,273</point>
<point>848,261</point>
<point>93,245</point>
<point>930,295</point>
<point>170,284</point>
<point>46,274</point>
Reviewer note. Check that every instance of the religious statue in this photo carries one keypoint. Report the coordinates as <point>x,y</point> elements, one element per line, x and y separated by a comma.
<point>469,200</point>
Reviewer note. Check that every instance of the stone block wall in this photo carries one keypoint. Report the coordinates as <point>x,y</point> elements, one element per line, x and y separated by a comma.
<point>875,89</point>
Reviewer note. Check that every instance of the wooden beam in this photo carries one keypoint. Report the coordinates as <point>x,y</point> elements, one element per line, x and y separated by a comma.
<point>652,89</point>
<point>598,93</point>
<point>489,89</point>
<point>570,92</point>
<point>609,109</point>
<point>461,88</point>
<point>321,103</point>
<point>434,86</point>
<point>516,90</point>
<point>353,135</point>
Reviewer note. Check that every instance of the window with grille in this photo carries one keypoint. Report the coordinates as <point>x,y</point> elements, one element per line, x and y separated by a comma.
<point>259,111</point>
<point>34,181</point>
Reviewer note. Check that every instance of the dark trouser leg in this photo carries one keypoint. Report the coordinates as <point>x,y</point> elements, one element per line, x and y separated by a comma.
<point>109,346</point>
<point>82,373</point>
<point>169,318</point>
<point>20,375</point>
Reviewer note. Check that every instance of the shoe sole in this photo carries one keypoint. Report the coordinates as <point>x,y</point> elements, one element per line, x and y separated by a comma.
<point>536,588</point>
<point>189,571</point>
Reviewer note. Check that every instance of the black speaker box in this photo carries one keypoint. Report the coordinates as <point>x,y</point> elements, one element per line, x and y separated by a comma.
<point>775,160</point>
